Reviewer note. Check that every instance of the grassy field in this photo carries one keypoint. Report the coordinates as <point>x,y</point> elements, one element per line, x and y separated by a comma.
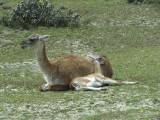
<point>128,34</point>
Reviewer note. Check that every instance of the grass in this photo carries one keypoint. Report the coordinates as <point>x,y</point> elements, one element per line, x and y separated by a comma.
<point>128,34</point>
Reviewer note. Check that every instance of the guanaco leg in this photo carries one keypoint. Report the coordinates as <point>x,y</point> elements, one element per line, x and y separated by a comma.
<point>106,80</point>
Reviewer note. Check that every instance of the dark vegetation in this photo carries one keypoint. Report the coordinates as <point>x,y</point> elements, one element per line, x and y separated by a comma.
<point>143,1</point>
<point>35,13</point>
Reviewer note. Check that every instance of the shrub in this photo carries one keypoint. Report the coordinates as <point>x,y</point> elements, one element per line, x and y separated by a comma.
<point>35,13</point>
<point>131,1</point>
<point>1,2</point>
<point>152,1</point>
<point>145,1</point>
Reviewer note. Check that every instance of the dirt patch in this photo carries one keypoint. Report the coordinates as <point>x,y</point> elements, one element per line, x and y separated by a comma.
<point>88,104</point>
<point>30,65</point>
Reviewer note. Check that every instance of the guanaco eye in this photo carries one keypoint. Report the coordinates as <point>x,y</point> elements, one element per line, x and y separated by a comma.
<point>99,58</point>
<point>31,40</point>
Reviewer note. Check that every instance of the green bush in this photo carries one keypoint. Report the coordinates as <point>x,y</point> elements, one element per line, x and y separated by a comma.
<point>145,1</point>
<point>36,13</point>
<point>135,1</point>
<point>152,1</point>
<point>1,2</point>
<point>130,1</point>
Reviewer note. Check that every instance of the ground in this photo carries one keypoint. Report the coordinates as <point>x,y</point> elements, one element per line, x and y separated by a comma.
<point>128,34</point>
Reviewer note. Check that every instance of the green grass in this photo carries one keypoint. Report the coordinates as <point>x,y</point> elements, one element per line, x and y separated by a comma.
<point>128,34</point>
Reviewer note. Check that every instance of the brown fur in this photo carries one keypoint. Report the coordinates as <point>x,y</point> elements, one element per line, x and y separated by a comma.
<point>106,68</point>
<point>66,68</point>
<point>95,80</point>
<point>54,88</point>
<point>80,80</point>
<point>72,66</point>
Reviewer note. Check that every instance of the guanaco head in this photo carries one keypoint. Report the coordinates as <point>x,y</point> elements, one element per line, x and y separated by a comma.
<point>98,58</point>
<point>33,39</point>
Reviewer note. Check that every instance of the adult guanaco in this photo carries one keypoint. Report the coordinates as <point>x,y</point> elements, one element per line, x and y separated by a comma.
<point>96,80</point>
<point>58,73</point>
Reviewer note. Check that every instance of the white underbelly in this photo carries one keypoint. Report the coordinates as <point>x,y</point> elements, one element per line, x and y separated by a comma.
<point>93,82</point>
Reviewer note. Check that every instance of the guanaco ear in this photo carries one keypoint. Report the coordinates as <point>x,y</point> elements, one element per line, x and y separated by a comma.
<point>43,37</point>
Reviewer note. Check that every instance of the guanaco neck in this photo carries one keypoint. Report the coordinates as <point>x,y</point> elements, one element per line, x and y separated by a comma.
<point>42,60</point>
<point>97,68</point>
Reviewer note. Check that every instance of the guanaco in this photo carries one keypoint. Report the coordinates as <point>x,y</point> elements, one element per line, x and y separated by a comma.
<point>58,73</point>
<point>96,80</point>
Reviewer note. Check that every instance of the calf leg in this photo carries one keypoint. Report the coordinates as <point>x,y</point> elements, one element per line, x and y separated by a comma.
<point>106,80</point>
<point>82,86</point>
<point>44,87</point>
<point>91,88</point>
